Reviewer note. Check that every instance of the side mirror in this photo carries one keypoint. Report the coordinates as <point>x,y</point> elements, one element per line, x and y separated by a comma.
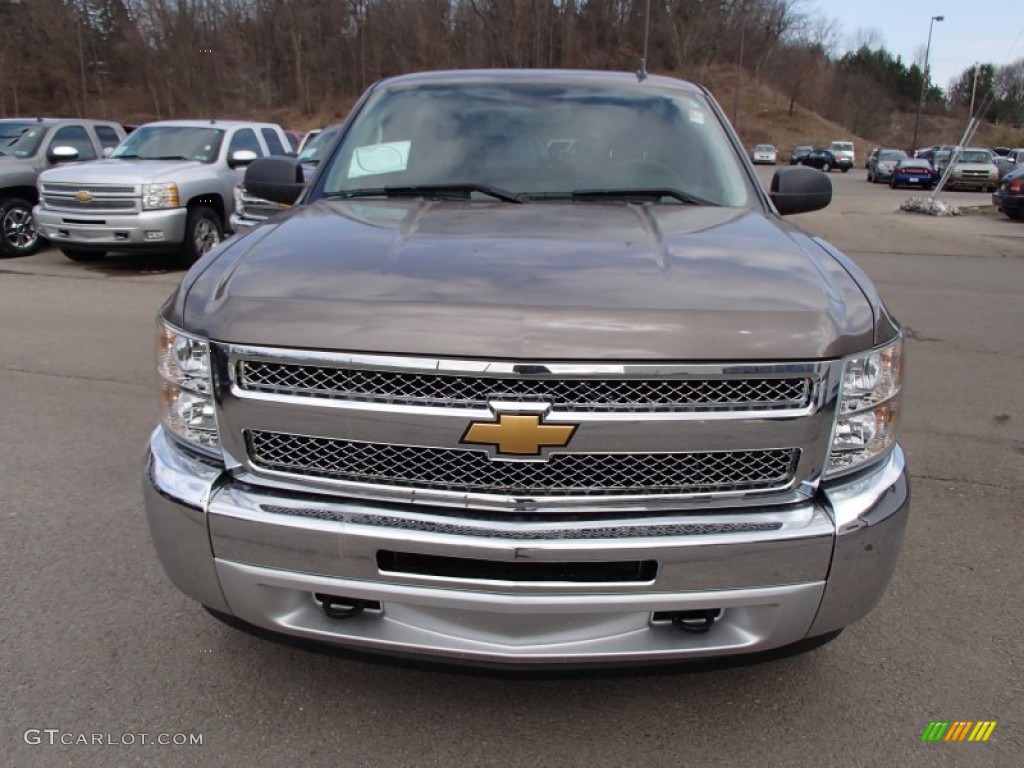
<point>278,179</point>
<point>62,154</point>
<point>799,189</point>
<point>242,157</point>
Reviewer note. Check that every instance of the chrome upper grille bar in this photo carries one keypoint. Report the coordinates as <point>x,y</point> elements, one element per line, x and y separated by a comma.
<point>564,394</point>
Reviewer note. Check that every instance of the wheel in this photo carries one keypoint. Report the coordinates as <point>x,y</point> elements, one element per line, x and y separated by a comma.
<point>76,254</point>
<point>892,182</point>
<point>18,236</point>
<point>845,168</point>
<point>1017,214</point>
<point>203,231</point>
<point>871,178</point>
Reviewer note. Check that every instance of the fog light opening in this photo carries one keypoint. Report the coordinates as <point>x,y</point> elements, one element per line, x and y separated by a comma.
<point>695,622</point>
<point>338,607</point>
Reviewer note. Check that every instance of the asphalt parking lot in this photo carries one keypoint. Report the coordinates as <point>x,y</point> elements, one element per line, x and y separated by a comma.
<point>97,641</point>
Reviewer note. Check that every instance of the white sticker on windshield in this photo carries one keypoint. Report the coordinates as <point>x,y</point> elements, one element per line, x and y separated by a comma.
<point>697,116</point>
<point>374,159</point>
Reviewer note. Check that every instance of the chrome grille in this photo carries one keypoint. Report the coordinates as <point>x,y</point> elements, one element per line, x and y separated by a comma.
<point>448,391</point>
<point>258,208</point>
<point>97,189</point>
<point>96,204</point>
<point>572,474</point>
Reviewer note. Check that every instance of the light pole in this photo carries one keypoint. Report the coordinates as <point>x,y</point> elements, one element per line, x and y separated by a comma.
<point>924,81</point>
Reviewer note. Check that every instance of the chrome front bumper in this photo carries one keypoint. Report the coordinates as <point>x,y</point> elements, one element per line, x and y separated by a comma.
<point>777,575</point>
<point>148,229</point>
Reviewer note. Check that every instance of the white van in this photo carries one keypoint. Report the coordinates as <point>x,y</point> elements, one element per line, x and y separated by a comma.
<point>843,148</point>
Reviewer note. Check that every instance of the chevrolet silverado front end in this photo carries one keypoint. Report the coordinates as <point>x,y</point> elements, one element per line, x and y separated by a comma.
<point>531,418</point>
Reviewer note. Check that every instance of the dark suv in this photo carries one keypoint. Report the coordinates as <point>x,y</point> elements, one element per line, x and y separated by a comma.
<point>36,145</point>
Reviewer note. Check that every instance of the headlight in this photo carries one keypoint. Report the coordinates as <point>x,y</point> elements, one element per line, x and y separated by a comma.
<point>186,388</point>
<point>869,409</point>
<point>239,201</point>
<point>159,196</point>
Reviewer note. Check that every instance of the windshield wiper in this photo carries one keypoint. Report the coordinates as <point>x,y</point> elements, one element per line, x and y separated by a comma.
<point>167,157</point>
<point>655,193</point>
<point>431,190</point>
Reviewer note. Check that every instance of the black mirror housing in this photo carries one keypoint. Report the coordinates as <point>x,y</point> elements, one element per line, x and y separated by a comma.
<point>278,179</point>
<point>799,189</point>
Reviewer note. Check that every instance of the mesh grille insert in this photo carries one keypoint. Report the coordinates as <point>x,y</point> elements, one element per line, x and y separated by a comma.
<point>446,390</point>
<point>467,471</point>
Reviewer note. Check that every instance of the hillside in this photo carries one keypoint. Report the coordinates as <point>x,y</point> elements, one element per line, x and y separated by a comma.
<point>764,117</point>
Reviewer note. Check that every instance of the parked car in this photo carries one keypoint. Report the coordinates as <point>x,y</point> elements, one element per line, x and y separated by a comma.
<point>764,154</point>
<point>912,172</point>
<point>1003,164</point>
<point>1010,161</point>
<point>250,211</point>
<point>973,169</point>
<point>799,153</point>
<point>308,138</point>
<point>825,160</point>
<point>169,187</point>
<point>867,162</point>
<point>882,163</point>
<point>1009,195</point>
<point>844,149</point>
<point>12,128</point>
<point>43,144</point>
<point>440,407</point>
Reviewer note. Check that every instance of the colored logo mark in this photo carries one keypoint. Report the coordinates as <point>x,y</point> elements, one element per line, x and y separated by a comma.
<point>959,730</point>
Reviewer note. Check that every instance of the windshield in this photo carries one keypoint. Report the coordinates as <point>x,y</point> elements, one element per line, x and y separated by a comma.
<point>841,146</point>
<point>314,150</point>
<point>975,156</point>
<point>28,143</point>
<point>764,148</point>
<point>892,154</point>
<point>171,142</point>
<point>538,141</point>
<point>12,129</point>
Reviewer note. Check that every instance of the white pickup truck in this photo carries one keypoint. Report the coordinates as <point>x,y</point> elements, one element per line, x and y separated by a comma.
<point>167,187</point>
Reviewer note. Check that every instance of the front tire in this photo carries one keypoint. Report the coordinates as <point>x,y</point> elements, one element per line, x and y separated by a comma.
<point>203,232</point>
<point>18,235</point>
<point>78,254</point>
<point>892,183</point>
<point>1017,214</point>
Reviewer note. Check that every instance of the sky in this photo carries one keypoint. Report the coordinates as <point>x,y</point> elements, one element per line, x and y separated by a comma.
<point>972,30</point>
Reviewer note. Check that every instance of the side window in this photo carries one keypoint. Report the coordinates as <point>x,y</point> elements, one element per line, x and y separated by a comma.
<point>74,136</point>
<point>245,138</point>
<point>108,136</point>
<point>273,143</point>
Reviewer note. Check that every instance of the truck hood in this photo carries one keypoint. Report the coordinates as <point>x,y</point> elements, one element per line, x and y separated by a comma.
<point>542,281</point>
<point>123,171</point>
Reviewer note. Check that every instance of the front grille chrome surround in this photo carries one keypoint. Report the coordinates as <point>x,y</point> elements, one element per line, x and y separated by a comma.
<point>564,474</point>
<point>563,394</point>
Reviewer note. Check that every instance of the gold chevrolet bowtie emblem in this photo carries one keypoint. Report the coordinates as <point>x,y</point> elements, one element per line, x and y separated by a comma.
<point>519,435</point>
<point>84,196</point>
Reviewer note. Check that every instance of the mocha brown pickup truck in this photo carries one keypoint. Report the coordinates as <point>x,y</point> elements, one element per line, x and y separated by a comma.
<point>477,400</point>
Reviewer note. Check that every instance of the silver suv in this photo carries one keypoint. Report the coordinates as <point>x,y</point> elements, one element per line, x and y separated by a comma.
<point>168,187</point>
